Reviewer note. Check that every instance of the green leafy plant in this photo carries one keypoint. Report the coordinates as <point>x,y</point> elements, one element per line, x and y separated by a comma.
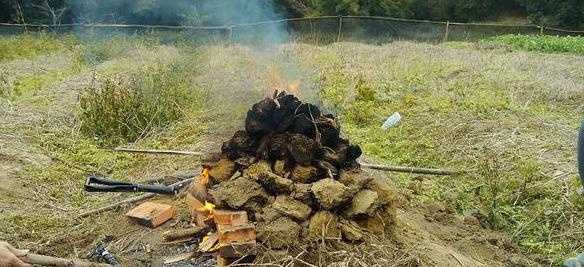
<point>540,43</point>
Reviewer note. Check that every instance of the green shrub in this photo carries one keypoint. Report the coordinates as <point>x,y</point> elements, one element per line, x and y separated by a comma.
<point>364,91</point>
<point>540,43</point>
<point>361,113</point>
<point>127,108</point>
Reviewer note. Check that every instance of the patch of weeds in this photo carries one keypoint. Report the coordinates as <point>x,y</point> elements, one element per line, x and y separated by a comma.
<point>539,43</point>
<point>336,91</point>
<point>459,45</point>
<point>363,117</point>
<point>96,49</point>
<point>76,157</point>
<point>33,83</point>
<point>6,86</point>
<point>485,101</point>
<point>31,226</point>
<point>479,95</point>
<point>364,92</point>
<point>127,108</point>
<point>361,113</point>
<point>402,145</point>
<point>31,45</point>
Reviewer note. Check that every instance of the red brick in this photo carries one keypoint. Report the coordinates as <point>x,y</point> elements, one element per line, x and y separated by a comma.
<point>151,214</point>
<point>237,234</point>
<point>224,218</point>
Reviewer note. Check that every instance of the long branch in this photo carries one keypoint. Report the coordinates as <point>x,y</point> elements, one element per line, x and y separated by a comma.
<point>43,260</point>
<point>404,169</point>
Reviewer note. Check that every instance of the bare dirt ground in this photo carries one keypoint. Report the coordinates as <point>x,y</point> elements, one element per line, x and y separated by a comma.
<point>40,217</point>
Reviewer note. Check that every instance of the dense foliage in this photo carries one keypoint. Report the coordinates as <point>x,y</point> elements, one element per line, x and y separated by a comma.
<point>556,12</point>
<point>541,43</point>
<point>159,12</point>
<point>566,13</point>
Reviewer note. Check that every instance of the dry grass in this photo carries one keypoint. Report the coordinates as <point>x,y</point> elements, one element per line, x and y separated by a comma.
<point>509,118</point>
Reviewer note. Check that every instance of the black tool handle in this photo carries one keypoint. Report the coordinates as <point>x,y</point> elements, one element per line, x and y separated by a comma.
<point>93,179</point>
<point>101,184</point>
<point>165,190</point>
<point>158,189</point>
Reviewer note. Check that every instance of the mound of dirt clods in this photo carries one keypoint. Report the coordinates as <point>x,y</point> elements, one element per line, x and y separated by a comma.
<point>298,178</point>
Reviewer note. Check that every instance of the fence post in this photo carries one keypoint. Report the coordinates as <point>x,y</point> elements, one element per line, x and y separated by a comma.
<point>230,33</point>
<point>340,28</point>
<point>446,31</point>
<point>541,30</point>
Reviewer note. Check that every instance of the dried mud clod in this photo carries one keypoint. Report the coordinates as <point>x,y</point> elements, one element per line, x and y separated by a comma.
<point>364,203</point>
<point>237,193</point>
<point>273,183</point>
<point>280,233</point>
<point>223,170</point>
<point>330,193</point>
<point>292,208</point>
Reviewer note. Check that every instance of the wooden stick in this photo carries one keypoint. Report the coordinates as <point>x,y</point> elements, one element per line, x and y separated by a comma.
<point>364,165</point>
<point>117,204</point>
<point>446,31</point>
<point>152,151</point>
<point>42,260</point>
<point>128,200</point>
<point>184,233</point>
<point>340,28</point>
<point>170,178</point>
<point>409,169</point>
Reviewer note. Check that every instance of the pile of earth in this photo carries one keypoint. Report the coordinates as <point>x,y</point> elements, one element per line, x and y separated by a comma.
<point>298,178</point>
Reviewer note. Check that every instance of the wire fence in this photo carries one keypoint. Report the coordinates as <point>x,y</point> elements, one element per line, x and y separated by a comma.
<point>325,29</point>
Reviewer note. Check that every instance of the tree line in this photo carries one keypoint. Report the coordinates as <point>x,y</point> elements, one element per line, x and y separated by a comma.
<point>562,13</point>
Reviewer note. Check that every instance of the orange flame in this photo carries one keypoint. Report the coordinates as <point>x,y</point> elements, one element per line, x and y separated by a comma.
<point>203,177</point>
<point>276,80</point>
<point>275,77</point>
<point>294,87</point>
<point>208,208</point>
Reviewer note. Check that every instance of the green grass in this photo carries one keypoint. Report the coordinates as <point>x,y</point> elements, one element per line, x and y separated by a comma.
<point>32,83</point>
<point>31,45</point>
<point>540,43</point>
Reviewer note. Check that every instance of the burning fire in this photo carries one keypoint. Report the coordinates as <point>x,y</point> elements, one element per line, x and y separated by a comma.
<point>294,87</point>
<point>207,208</point>
<point>277,82</point>
<point>203,179</point>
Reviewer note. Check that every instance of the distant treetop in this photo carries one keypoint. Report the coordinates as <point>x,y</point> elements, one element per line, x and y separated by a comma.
<point>560,13</point>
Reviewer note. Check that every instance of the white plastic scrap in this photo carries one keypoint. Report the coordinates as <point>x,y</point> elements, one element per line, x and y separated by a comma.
<point>391,121</point>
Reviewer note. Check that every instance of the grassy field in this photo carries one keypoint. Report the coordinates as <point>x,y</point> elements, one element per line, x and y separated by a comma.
<point>540,43</point>
<point>507,118</point>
